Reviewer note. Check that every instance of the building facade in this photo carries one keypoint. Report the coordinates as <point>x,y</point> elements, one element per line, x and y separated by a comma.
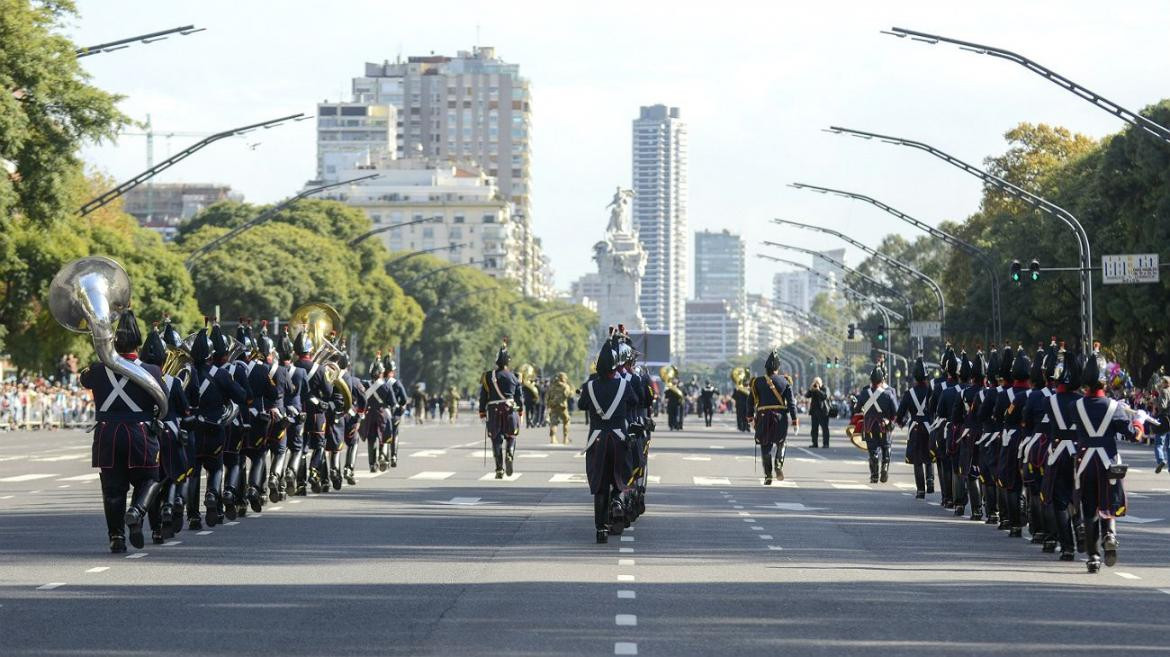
<point>348,133</point>
<point>163,207</point>
<point>719,267</point>
<point>660,217</point>
<point>716,332</point>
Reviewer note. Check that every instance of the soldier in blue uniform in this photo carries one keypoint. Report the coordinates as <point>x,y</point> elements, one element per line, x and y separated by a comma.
<point>289,442</point>
<point>1100,421</point>
<point>125,445</point>
<point>501,403</point>
<point>971,435</point>
<point>166,514</point>
<point>878,408</point>
<point>373,421</point>
<point>1034,446</point>
<point>238,365</point>
<point>605,398</point>
<point>335,428</point>
<point>960,444</point>
<point>939,451</point>
<point>1009,412</point>
<point>392,397</point>
<point>220,398</point>
<point>707,402</point>
<point>914,408</point>
<point>353,419</point>
<point>774,405</point>
<point>1058,484</point>
<point>268,383</point>
<point>316,401</point>
<point>989,439</point>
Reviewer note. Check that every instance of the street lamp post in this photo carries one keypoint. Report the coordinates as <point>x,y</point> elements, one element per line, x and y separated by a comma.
<point>381,229</point>
<point>1037,202</point>
<point>1133,118</point>
<point>996,313</point>
<point>106,197</point>
<point>403,258</point>
<point>409,282</point>
<point>261,218</point>
<point>144,38</point>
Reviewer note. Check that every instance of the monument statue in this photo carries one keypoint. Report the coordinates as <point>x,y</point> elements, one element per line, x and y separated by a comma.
<point>621,262</point>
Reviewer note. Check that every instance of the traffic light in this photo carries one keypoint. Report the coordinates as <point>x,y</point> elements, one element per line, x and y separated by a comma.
<point>852,331</point>
<point>1015,271</point>
<point>811,362</point>
<point>881,333</point>
<point>836,363</point>
<point>828,363</point>
<point>1034,269</point>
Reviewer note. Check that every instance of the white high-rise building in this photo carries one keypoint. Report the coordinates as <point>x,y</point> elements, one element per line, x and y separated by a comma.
<point>719,267</point>
<point>660,217</point>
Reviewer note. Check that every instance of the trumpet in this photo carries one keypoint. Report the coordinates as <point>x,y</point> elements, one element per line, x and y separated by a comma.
<point>179,362</point>
<point>87,296</point>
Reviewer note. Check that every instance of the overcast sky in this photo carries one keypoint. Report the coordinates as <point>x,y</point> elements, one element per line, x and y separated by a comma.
<point>756,84</point>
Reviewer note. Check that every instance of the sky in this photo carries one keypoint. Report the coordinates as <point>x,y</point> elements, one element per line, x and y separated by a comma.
<point>756,82</point>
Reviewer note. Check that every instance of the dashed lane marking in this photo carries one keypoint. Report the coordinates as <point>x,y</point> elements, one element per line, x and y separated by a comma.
<point>903,485</point>
<point>775,547</point>
<point>749,520</point>
<point>566,478</point>
<point>766,537</point>
<point>294,501</point>
<point>50,586</point>
<point>63,457</point>
<point>626,594</point>
<point>7,497</point>
<point>275,508</point>
<point>63,486</point>
<point>743,513</point>
<point>98,569</point>
<point>816,456</point>
<point>429,453</point>
<point>716,447</point>
<point>654,479</point>
<point>532,455</point>
<point>625,648</point>
<point>737,506</point>
<point>232,523</point>
<point>206,532</point>
<point>491,476</point>
<point>85,477</point>
<point>625,578</point>
<point>1124,575</point>
<point>626,550</point>
<point>137,555</point>
<point>696,458</point>
<point>25,477</point>
<point>757,528</point>
<point>430,475</point>
<point>627,539</point>
<point>172,543</point>
<point>1166,591</point>
<point>625,562</point>
<point>712,481</point>
<point>626,620</point>
<point>851,486</point>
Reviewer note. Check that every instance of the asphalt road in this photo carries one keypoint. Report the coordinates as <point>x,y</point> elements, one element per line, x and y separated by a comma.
<point>437,558</point>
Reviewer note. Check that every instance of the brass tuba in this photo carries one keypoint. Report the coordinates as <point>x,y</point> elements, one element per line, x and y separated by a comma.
<point>668,373</point>
<point>526,372</point>
<point>321,320</point>
<point>87,296</point>
<point>179,363</point>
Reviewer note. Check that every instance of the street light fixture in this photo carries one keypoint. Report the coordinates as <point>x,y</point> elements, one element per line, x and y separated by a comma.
<point>1133,118</point>
<point>106,197</point>
<point>1037,202</point>
<point>143,38</point>
<point>942,309</point>
<point>412,254</point>
<point>381,229</point>
<point>997,317</point>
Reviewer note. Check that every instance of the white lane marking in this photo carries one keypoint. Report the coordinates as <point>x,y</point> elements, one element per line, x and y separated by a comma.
<point>1127,575</point>
<point>275,508</point>
<point>232,523</point>
<point>532,455</point>
<point>627,539</point>
<point>757,528</point>
<point>1137,520</point>
<point>711,481</point>
<point>625,578</point>
<point>1166,591</point>
<point>63,457</point>
<point>491,475</point>
<point>743,513</point>
<point>696,458</point>
<point>85,477</point>
<point>98,569</point>
<point>716,447</point>
<point>63,486</point>
<point>25,477</point>
<point>625,648</point>
<point>7,497</point>
<point>851,486</point>
<point>431,475</point>
<point>626,550</point>
<point>565,478</point>
<point>737,506</point>
<point>907,494</point>
<point>775,547</point>
<point>367,475</point>
<point>172,543</point>
<point>50,586</point>
<point>627,620</point>
<point>294,501</point>
<point>205,532</point>
<point>625,562</point>
<point>654,479</point>
<point>819,457</point>
<point>463,501</point>
<point>766,537</point>
<point>788,484</point>
<point>793,506</point>
<point>626,594</point>
<point>429,453</point>
<point>137,555</point>
<point>902,485</point>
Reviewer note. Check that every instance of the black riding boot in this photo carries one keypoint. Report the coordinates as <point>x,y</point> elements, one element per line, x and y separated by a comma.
<point>510,456</point>
<point>873,469</point>
<point>922,475</point>
<point>231,488</point>
<point>1093,544</point>
<point>885,472</point>
<point>372,445</point>
<point>292,470</point>
<point>143,499</point>
<point>114,506</point>
<point>335,470</point>
<point>194,521</point>
<point>601,516</point>
<point>276,485</point>
<point>498,454</point>
<point>973,495</point>
<point>350,461</point>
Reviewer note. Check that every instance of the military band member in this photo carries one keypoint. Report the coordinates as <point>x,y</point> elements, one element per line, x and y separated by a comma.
<point>1008,413</point>
<point>774,405</point>
<point>172,455</point>
<point>950,404</point>
<point>269,383</point>
<point>877,407</point>
<point>316,401</point>
<point>335,428</point>
<point>287,447</point>
<point>675,407</point>
<point>707,401</point>
<point>966,417</point>
<point>946,380</point>
<point>1100,420</point>
<point>604,397</point>
<point>125,446</point>
<point>1033,451</point>
<point>351,420</point>
<point>241,426</point>
<point>990,439</point>
<point>914,408</point>
<point>1058,485</point>
<point>501,404</point>
<point>393,399</point>
<point>219,399</point>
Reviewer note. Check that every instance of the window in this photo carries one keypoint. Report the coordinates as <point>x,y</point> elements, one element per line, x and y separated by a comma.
<point>353,111</point>
<point>458,219</point>
<point>326,111</point>
<point>455,233</point>
<point>428,233</point>
<point>489,219</point>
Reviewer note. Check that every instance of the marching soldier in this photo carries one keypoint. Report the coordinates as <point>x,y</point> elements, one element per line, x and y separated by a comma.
<point>877,408</point>
<point>241,426</point>
<point>125,447</point>
<point>351,420</point>
<point>772,399</point>
<point>675,407</point>
<point>965,428</point>
<point>604,397</point>
<point>501,403</point>
<point>374,421</point>
<point>269,384</point>
<point>288,446</point>
<point>938,425</point>
<point>1009,407</point>
<point>172,455</point>
<point>335,427</point>
<point>1058,485</point>
<point>392,398</point>
<point>707,401</point>
<point>220,399</point>
<point>989,440</point>
<point>1033,451</point>
<point>316,401</point>
<point>559,395</point>
<point>913,407</point>
<point>1100,470</point>
<point>452,399</point>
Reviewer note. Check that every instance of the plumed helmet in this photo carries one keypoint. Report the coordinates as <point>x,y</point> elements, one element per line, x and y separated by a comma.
<point>302,345</point>
<point>991,365</point>
<point>170,335</point>
<point>964,367</point>
<point>264,343</point>
<point>950,363</point>
<point>219,342</point>
<point>244,336</point>
<point>1068,369</point>
<point>127,337</point>
<point>1051,355</point>
<point>284,346</point>
<point>979,367</point>
<point>919,369</point>
<point>1006,361</point>
<point>606,358</point>
<point>1021,366</point>
<point>1037,373</point>
<point>502,356</point>
<point>154,352</point>
<point>625,353</point>
<point>772,364</point>
<point>1096,370</point>
<point>388,365</point>
<point>201,347</point>
<point>376,367</point>
<point>877,374</point>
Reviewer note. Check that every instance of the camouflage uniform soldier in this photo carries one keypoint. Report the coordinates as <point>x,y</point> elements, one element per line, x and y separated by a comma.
<point>558,396</point>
